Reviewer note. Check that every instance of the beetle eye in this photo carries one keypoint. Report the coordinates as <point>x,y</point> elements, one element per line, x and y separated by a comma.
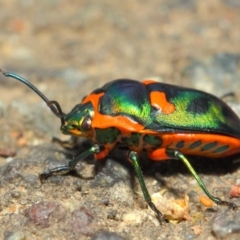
<point>86,124</point>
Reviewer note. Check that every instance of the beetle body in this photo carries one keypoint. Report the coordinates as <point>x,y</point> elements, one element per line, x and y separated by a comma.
<point>154,116</point>
<point>166,121</point>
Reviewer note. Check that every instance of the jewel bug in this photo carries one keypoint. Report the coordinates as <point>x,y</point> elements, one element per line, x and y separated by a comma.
<point>166,121</point>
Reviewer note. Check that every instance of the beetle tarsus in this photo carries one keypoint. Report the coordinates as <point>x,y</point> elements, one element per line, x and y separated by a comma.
<point>160,216</point>
<point>71,165</point>
<point>231,205</point>
<point>69,144</point>
<point>55,171</point>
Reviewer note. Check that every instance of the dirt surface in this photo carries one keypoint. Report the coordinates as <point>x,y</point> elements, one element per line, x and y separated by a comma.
<point>67,49</point>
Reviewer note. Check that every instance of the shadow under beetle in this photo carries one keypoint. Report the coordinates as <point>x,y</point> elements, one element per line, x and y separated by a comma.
<point>166,121</point>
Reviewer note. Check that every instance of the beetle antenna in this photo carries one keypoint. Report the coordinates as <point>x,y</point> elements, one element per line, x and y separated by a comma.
<point>53,105</point>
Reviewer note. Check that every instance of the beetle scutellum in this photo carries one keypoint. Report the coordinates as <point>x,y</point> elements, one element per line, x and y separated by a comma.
<point>166,121</point>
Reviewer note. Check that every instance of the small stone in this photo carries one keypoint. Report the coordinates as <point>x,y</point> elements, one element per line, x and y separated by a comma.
<point>132,217</point>
<point>16,194</point>
<point>82,221</point>
<point>13,235</point>
<point>112,214</point>
<point>40,213</point>
<point>107,236</point>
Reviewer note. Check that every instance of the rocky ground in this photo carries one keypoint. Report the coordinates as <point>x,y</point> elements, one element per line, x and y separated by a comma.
<point>69,49</point>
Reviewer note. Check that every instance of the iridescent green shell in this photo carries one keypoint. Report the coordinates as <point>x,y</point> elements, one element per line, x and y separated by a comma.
<point>195,111</point>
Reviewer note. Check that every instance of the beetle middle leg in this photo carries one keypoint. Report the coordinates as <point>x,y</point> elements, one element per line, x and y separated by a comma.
<point>175,154</point>
<point>133,158</point>
<point>71,165</point>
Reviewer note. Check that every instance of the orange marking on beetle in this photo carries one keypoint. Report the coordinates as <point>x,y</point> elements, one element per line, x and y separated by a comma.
<point>75,132</point>
<point>93,97</point>
<point>101,155</point>
<point>158,100</point>
<point>158,154</point>
<point>148,81</point>
<point>169,141</point>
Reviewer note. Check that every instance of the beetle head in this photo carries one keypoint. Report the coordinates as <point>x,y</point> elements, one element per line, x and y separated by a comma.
<point>79,121</point>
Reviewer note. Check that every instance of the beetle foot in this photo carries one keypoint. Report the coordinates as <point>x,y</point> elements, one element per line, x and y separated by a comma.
<point>69,144</point>
<point>160,217</point>
<point>218,201</point>
<point>231,205</point>
<point>55,171</point>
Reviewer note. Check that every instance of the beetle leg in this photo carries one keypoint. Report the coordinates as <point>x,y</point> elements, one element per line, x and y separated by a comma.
<point>70,144</point>
<point>133,158</point>
<point>71,165</point>
<point>174,154</point>
<point>101,154</point>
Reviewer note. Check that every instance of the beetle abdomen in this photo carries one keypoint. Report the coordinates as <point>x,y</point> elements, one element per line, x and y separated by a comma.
<point>167,108</point>
<point>194,111</point>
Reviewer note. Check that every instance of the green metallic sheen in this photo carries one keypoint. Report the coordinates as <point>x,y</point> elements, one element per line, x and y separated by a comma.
<point>221,149</point>
<point>209,146</point>
<point>195,144</point>
<point>180,144</point>
<point>107,135</point>
<point>76,116</point>
<point>133,140</point>
<point>126,98</point>
<point>154,141</point>
<point>195,111</point>
<point>182,118</point>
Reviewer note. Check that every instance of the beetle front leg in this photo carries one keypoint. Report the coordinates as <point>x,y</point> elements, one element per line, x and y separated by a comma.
<point>70,144</point>
<point>133,158</point>
<point>71,165</point>
<point>174,154</point>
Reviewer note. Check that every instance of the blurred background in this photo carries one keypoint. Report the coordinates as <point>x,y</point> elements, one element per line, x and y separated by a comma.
<point>83,44</point>
<point>69,48</point>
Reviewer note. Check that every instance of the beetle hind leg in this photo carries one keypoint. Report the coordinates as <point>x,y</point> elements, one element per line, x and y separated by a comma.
<point>175,154</point>
<point>133,158</point>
